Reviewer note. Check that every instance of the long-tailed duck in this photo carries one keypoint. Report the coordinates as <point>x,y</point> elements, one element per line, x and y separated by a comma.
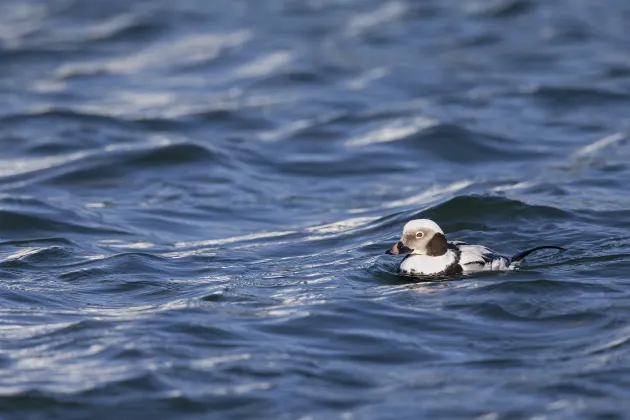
<point>430,254</point>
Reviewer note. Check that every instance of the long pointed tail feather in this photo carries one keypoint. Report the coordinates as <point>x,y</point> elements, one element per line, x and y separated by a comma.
<point>521,255</point>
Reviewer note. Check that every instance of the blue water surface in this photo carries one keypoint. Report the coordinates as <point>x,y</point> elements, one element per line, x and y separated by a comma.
<point>196,197</point>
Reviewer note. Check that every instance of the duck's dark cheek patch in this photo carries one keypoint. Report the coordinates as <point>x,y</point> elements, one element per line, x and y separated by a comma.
<point>437,245</point>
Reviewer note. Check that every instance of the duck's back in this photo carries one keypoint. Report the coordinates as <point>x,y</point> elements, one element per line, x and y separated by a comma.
<point>478,257</point>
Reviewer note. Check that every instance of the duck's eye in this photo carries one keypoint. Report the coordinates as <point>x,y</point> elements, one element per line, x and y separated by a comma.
<point>419,235</point>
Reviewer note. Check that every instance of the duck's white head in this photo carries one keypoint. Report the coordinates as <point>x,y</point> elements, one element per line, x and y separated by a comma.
<point>421,237</point>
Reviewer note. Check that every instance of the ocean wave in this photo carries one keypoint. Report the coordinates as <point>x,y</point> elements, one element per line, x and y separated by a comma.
<point>98,164</point>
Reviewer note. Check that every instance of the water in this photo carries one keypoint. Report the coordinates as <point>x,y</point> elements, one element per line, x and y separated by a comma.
<point>196,197</point>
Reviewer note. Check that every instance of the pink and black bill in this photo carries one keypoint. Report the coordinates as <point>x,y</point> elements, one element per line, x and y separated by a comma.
<point>399,248</point>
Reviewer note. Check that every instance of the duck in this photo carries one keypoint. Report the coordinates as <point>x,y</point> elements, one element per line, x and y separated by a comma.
<point>428,253</point>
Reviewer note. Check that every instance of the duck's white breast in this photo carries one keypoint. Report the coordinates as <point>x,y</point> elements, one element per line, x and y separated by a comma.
<point>423,264</point>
